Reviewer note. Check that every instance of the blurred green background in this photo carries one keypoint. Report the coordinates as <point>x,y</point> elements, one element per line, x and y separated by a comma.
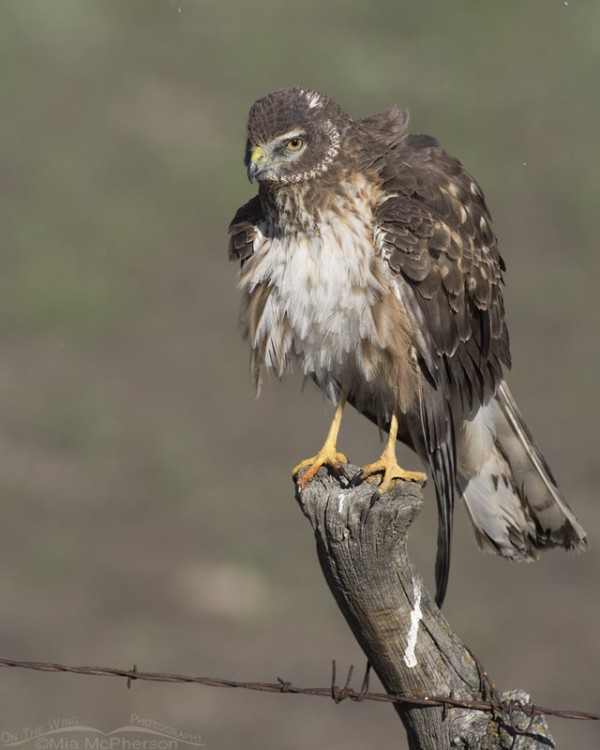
<point>147,508</point>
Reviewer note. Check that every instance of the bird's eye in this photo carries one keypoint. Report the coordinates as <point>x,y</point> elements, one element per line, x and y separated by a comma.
<point>295,144</point>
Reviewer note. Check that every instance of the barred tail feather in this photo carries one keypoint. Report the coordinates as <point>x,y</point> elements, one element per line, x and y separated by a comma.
<point>511,496</point>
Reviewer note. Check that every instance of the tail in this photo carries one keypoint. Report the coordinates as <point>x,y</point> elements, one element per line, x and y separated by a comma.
<point>511,496</point>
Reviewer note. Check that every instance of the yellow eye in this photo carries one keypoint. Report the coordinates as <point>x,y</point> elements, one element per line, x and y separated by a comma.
<point>295,144</point>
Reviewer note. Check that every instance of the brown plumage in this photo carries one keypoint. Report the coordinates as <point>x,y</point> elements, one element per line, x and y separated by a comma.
<point>368,257</point>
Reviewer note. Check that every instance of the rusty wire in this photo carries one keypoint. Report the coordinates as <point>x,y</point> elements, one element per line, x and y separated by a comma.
<point>338,694</point>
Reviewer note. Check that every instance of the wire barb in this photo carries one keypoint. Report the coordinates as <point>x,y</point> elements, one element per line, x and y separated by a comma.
<point>285,686</point>
<point>364,688</point>
<point>334,688</point>
<point>131,676</point>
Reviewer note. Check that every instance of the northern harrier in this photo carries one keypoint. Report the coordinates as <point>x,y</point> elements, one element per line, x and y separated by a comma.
<point>368,257</point>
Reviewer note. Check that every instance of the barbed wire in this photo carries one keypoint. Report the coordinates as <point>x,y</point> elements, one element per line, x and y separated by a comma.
<point>494,704</point>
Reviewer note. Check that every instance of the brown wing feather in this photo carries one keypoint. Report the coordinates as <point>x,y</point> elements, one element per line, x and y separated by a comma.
<point>389,126</point>
<point>242,230</point>
<point>436,235</point>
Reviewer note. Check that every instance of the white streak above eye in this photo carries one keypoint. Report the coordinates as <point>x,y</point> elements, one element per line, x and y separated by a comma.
<point>295,133</point>
<point>415,616</point>
<point>341,501</point>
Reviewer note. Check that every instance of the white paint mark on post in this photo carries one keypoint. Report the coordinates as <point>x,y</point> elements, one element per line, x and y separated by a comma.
<point>341,501</point>
<point>415,616</point>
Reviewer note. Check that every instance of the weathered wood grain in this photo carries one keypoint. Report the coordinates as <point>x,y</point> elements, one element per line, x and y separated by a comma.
<point>361,544</point>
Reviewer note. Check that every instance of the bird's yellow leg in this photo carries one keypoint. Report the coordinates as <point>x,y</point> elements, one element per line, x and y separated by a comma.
<point>328,455</point>
<point>387,464</point>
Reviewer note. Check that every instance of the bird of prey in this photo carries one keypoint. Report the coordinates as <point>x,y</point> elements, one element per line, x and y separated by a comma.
<point>368,258</point>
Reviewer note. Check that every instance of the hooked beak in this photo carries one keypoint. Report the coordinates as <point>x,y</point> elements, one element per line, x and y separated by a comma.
<point>256,163</point>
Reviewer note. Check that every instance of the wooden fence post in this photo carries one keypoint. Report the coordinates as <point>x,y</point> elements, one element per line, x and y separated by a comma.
<point>361,546</point>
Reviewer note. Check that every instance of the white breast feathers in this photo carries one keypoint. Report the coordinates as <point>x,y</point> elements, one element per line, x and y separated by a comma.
<point>316,291</point>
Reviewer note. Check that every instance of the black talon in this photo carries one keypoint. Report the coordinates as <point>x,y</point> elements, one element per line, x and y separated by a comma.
<point>356,479</point>
<point>343,474</point>
<point>375,497</point>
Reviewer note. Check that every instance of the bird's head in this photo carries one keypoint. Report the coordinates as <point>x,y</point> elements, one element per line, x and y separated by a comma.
<point>293,135</point>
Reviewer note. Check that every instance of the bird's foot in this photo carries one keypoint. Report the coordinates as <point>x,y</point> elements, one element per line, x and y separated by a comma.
<point>391,471</point>
<point>327,456</point>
